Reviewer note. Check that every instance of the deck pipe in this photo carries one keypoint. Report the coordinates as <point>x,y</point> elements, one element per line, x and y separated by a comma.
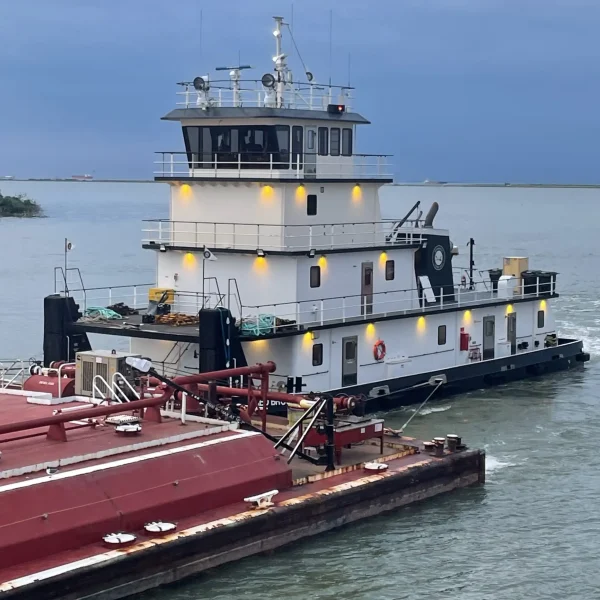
<point>101,411</point>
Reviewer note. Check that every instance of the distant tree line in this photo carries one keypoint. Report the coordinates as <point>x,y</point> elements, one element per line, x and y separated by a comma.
<point>19,206</point>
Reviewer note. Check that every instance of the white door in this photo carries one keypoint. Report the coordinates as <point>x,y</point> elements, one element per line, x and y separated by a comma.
<point>310,153</point>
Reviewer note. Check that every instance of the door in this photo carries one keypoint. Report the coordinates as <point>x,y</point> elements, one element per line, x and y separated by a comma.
<point>489,337</point>
<point>349,361</point>
<point>310,153</point>
<point>511,331</point>
<point>366,289</point>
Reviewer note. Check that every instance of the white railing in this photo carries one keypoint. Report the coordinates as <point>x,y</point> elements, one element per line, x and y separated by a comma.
<point>134,296</point>
<point>265,237</point>
<point>251,93</point>
<point>242,165</point>
<point>265,319</point>
<point>13,372</point>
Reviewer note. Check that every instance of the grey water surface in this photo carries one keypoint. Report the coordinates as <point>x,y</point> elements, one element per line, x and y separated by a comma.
<point>532,532</point>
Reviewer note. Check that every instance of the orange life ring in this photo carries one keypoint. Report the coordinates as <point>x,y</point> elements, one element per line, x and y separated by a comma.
<point>379,350</point>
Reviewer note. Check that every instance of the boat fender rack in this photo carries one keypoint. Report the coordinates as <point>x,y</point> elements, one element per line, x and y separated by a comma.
<point>264,500</point>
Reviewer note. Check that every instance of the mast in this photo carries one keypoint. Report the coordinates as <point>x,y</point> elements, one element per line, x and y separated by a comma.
<point>280,64</point>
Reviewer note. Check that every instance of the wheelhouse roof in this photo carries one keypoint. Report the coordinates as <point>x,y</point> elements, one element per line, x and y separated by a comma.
<point>255,112</point>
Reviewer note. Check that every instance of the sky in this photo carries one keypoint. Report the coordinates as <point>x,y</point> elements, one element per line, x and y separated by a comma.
<point>457,90</point>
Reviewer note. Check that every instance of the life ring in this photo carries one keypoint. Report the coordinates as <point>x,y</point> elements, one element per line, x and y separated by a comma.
<point>379,350</point>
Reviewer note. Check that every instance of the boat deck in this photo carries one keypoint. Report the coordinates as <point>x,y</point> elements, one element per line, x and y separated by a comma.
<point>30,451</point>
<point>348,474</point>
<point>26,456</point>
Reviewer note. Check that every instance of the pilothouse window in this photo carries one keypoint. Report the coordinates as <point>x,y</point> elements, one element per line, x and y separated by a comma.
<point>297,145</point>
<point>334,141</point>
<point>347,142</point>
<point>323,141</point>
<point>239,147</point>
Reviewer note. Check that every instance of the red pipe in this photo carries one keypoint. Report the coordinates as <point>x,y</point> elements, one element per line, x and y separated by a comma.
<point>258,369</point>
<point>101,411</point>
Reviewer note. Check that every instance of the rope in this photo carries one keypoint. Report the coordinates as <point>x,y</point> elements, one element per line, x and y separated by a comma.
<point>422,405</point>
<point>98,313</point>
<point>258,325</point>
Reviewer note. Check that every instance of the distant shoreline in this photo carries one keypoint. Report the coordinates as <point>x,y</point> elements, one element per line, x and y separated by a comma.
<point>395,184</point>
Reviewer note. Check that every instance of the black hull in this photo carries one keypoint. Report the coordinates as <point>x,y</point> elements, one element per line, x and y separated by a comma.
<point>402,392</point>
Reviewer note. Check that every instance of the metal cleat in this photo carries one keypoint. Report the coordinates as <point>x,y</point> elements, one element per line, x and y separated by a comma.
<point>262,500</point>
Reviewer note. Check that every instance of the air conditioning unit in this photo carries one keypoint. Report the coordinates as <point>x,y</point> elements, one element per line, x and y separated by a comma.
<point>95,373</point>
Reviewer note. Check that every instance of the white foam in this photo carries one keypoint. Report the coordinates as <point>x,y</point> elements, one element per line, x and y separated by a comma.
<point>434,409</point>
<point>493,464</point>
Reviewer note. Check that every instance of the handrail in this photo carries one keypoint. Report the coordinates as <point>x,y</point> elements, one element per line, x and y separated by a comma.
<point>241,164</point>
<point>184,152</point>
<point>315,312</point>
<point>251,93</point>
<point>119,376</point>
<point>60,368</point>
<point>96,390</point>
<point>268,236</point>
<point>381,222</point>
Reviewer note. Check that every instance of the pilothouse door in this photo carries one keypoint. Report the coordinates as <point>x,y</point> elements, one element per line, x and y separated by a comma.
<point>349,361</point>
<point>511,331</point>
<point>310,153</point>
<point>489,337</point>
<point>366,289</point>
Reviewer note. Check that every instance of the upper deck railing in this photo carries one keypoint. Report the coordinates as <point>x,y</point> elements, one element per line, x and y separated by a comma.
<point>268,319</point>
<point>291,238</point>
<point>254,165</point>
<point>252,93</point>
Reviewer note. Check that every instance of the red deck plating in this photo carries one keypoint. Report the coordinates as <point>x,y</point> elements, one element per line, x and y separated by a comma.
<point>86,500</point>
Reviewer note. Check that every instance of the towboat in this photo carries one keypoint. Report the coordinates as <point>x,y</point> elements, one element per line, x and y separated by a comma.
<point>275,249</point>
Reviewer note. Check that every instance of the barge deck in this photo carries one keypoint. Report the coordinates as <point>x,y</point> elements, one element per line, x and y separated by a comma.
<point>64,488</point>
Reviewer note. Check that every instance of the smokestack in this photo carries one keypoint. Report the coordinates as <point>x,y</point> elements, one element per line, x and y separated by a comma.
<point>431,215</point>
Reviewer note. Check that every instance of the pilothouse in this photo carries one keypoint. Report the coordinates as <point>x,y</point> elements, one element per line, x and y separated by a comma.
<point>276,248</point>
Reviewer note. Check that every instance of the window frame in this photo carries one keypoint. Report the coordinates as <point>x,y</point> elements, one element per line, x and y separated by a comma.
<point>317,349</point>
<point>338,141</point>
<point>354,346</point>
<point>390,270</point>
<point>311,205</point>
<point>323,141</point>
<point>346,141</point>
<point>315,280</point>
<point>297,147</point>
<point>442,329</point>
<point>542,314</point>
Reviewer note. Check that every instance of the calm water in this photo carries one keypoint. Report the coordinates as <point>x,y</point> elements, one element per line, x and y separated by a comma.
<point>531,532</point>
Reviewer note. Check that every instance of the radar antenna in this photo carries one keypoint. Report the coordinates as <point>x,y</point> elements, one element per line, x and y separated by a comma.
<point>234,74</point>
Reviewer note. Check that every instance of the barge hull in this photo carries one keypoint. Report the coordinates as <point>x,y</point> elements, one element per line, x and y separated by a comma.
<point>324,507</point>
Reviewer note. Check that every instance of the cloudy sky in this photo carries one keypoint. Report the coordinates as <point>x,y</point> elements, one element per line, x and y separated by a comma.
<point>457,90</point>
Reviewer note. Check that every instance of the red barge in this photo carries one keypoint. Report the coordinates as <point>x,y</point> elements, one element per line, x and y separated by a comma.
<point>100,499</point>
